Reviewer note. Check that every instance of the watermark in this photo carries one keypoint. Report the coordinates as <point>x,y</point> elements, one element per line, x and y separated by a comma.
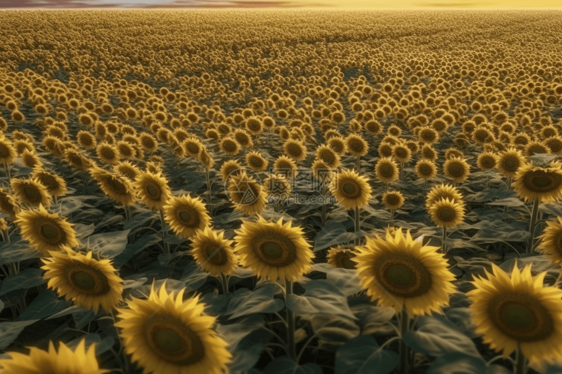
<point>301,186</point>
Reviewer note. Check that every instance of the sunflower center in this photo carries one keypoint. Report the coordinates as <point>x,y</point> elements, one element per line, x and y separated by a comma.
<point>401,153</point>
<point>83,280</point>
<point>174,342</point>
<point>392,199</point>
<point>256,162</point>
<point>31,193</point>
<point>188,217</point>
<point>402,275</point>
<point>456,170</point>
<point>521,317</point>
<point>446,214</point>
<point>387,170</point>
<point>49,231</point>
<point>88,280</point>
<point>356,145</point>
<point>425,169</point>
<point>347,263</point>
<point>229,146</point>
<point>4,151</point>
<point>108,153</point>
<point>153,191</point>
<point>274,249</point>
<point>327,157</point>
<point>215,255</point>
<point>542,181</point>
<point>193,148</point>
<point>117,186</point>
<point>294,149</point>
<point>510,164</point>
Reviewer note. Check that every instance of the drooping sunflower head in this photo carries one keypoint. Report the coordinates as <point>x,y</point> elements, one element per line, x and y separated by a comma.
<point>107,153</point>
<point>426,169</point>
<point>277,184</point>
<point>337,145</point>
<point>247,195</point>
<point>393,200</point>
<point>88,282</point>
<point>229,146</point>
<point>169,335</point>
<point>77,160</point>
<point>31,192</point>
<point>540,183</point>
<point>273,250</point>
<point>453,152</point>
<point>443,191</point>
<point>486,161</point>
<point>457,169</point>
<point>534,148</point>
<point>206,159</point>
<point>514,310</point>
<point>229,169</point>
<point>45,231</point>
<point>356,145</point>
<point>351,190</point>
<point>446,213</point>
<point>386,170</point>
<point>285,166</point>
<point>213,253</point>
<point>115,186</point>
<point>125,149</point>
<point>152,190</point>
<point>402,272</point>
<point>30,159</point>
<point>551,241</point>
<point>53,361</point>
<point>256,162</point>
<point>55,185</point>
<point>7,152</point>
<point>428,153</point>
<point>295,150</point>
<point>8,205</point>
<point>326,154</point>
<point>340,257</point>
<point>186,215</point>
<point>322,173</point>
<point>126,169</point>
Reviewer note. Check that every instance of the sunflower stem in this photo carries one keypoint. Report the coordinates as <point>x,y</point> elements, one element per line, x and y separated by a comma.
<point>534,215</point>
<point>358,164</point>
<point>404,351</point>
<point>290,322</point>
<point>520,367</point>
<point>7,168</point>
<point>163,232</point>
<point>401,170</point>
<point>209,187</point>
<point>224,283</point>
<point>127,213</point>
<point>357,222</point>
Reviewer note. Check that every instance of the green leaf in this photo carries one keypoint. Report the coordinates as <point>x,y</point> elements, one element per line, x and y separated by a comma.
<point>139,220</point>
<point>373,319</point>
<point>145,241</point>
<point>70,310</point>
<point>26,279</point>
<point>9,331</point>
<point>321,297</point>
<point>346,280</point>
<point>83,231</point>
<point>234,333</point>
<point>458,363</point>
<point>436,336</point>
<point>286,365</point>
<point>333,330</point>
<point>16,251</point>
<point>109,244</point>
<point>361,355</point>
<point>510,201</point>
<point>248,351</point>
<point>45,304</point>
<point>262,300</point>
<point>331,234</point>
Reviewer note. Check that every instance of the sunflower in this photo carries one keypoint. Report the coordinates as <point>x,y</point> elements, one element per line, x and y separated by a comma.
<point>446,213</point>
<point>254,125</point>
<point>534,148</point>
<point>45,231</point>
<point>341,258</point>
<point>7,151</point>
<point>428,135</point>
<point>554,144</point>
<point>457,169</point>
<point>356,145</point>
<point>337,145</point>
<point>206,159</point>
<point>247,194</point>
<point>486,161</point>
<point>509,162</point>
<point>55,185</point>
<point>88,282</point>
<point>401,153</point>
<point>518,310</point>
<point>256,162</point>
<point>30,159</point>
<point>152,190</point>
<point>540,183</point>
<point>186,215</point>
<point>230,168</point>
<point>229,146</point>
<point>192,147</point>
<point>551,241</point>
<point>213,253</point>
<point>277,184</point>
<point>31,192</point>
<point>76,160</point>
<point>403,273</point>
<point>115,186</point>
<point>107,153</point>
<point>326,154</point>
<point>425,169</point>
<point>443,191</point>
<point>243,138</point>
<point>126,169</point>
<point>273,250</point>
<point>8,205</point>
<point>166,334</point>
<point>125,150</point>
<point>153,167</point>
<point>393,200</point>
<point>148,142</point>
<point>285,166</point>
<point>386,170</point>
<point>351,190</point>
<point>428,153</point>
<point>65,360</point>
<point>295,150</point>
<point>21,146</point>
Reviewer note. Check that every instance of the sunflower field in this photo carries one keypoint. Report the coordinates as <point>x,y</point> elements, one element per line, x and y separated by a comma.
<point>280,192</point>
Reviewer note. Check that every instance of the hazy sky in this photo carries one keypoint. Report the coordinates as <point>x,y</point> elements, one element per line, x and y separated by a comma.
<point>124,4</point>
